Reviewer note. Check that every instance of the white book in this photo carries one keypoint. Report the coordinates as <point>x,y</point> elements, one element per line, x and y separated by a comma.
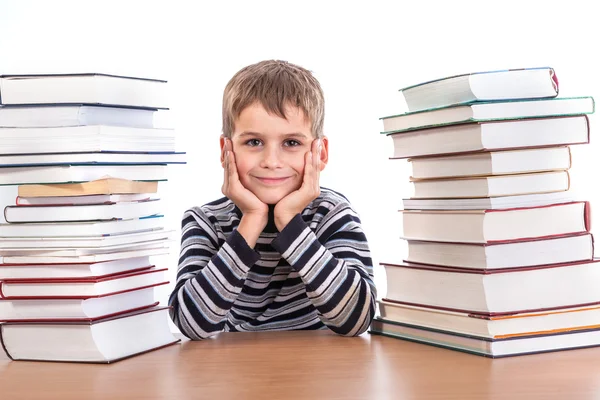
<point>83,212</point>
<point>543,287</point>
<point>102,341</point>
<point>81,229</point>
<point>97,158</point>
<point>75,115</point>
<point>8,244</point>
<point>80,173</point>
<point>91,88</point>
<point>492,136</point>
<point>502,255</point>
<point>158,250</point>
<point>492,163</point>
<point>88,199</point>
<point>492,186</point>
<point>84,251</point>
<point>82,139</point>
<point>82,309</point>
<point>523,83</point>
<point>488,203</point>
<point>488,226</point>
<point>73,270</point>
<point>29,288</point>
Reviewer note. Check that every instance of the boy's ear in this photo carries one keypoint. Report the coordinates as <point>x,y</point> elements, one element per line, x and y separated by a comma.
<point>222,144</point>
<point>324,156</point>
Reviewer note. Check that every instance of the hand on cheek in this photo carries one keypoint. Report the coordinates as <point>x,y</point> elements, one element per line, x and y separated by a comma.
<point>295,202</point>
<point>243,198</point>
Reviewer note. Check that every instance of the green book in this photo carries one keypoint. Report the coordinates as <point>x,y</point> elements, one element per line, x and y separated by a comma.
<point>488,111</point>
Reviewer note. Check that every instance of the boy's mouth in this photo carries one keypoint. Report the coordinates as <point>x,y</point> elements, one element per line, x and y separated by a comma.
<point>272,181</point>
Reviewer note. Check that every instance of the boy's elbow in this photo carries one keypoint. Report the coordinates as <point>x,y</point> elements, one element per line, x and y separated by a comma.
<point>359,327</point>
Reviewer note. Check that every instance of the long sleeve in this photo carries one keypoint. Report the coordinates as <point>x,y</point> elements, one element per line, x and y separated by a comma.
<point>334,263</point>
<point>211,274</point>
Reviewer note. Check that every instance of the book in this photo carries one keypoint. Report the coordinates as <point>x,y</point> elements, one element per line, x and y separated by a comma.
<point>89,199</point>
<point>83,251</point>
<point>101,341</point>
<point>74,270</point>
<point>83,88</point>
<point>93,187</point>
<point>97,158</point>
<point>85,139</point>
<point>488,226</point>
<point>493,348</point>
<point>489,111</point>
<point>492,186</point>
<point>80,173</point>
<point>90,242</point>
<point>498,326</point>
<point>50,116</point>
<point>493,292</point>
<point>118,254</point>
<point>509,84</point>
<point>492,163</point>
<point>489,203</point>
<point>81,229</point>
<point>501,255</point>
<point>490,136</point>
<point>77,309</point>
<point>82,212</point>
<point>80,287</point>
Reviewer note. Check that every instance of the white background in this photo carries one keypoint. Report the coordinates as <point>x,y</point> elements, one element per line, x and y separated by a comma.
<point>362,53</point>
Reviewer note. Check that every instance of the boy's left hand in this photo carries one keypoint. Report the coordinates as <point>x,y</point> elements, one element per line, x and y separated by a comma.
<point>295,202</point>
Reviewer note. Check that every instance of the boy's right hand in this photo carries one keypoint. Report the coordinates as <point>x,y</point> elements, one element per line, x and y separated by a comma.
<point>255,213</point>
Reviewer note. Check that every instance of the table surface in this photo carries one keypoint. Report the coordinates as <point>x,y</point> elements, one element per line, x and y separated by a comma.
<point>308,365</point>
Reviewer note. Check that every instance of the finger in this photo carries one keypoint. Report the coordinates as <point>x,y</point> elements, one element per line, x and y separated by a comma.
<point>233,174</point>
<point>225,187</point>
<point>308,179</point>
<point>317,155</point>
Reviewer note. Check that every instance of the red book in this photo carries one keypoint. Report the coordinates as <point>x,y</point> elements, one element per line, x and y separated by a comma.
<point>489,226</point>
<point>495,292</point>
<point>102,341</point>
<point>503,254</point>
<point>77,288</point>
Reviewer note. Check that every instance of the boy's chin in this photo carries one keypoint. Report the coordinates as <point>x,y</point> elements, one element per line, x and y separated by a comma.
<point>271,198</point>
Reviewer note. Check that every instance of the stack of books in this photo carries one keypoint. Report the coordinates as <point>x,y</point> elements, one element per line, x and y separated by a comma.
<point>80,165</point>
<point>500,256</point>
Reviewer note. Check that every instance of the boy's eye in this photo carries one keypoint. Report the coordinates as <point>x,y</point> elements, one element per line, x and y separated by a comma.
<point>292,143</point>
<point>253,142</point>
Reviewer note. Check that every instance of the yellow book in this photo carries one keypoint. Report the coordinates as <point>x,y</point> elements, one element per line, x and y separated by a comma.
<point>96,187</point>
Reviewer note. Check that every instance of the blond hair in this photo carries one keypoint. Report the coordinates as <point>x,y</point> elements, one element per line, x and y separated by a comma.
<point>274,84</point>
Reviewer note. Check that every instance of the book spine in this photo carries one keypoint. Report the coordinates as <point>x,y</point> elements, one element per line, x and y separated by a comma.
<point>587,216</point>
<point>587,124</point>
<point>2,343</point>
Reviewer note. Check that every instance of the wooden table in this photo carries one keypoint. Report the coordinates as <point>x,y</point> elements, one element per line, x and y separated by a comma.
<point>308,365</point>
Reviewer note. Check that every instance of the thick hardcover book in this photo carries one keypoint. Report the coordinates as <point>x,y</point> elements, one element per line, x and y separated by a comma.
<point>83,88</point>
<point>102,341</point>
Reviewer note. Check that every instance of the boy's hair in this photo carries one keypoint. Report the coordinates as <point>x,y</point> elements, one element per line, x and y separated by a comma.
<point>274,84</point>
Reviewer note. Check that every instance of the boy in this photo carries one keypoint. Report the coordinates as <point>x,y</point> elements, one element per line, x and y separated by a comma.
<point>278,252</point>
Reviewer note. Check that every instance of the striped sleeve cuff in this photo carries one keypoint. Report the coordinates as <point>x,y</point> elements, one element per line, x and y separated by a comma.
<point>247,255</point>
<point>293,240</point>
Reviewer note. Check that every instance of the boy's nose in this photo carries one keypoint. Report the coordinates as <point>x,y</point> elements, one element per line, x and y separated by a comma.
<point>271,157</point>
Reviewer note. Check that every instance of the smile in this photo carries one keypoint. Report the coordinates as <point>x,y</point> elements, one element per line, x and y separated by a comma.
<point>272,181</point>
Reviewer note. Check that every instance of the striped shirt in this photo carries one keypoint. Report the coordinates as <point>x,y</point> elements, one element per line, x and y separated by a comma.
<point>316,273</point>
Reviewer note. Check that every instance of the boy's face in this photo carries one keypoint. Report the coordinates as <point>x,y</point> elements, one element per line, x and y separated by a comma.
<point>270,151</point>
